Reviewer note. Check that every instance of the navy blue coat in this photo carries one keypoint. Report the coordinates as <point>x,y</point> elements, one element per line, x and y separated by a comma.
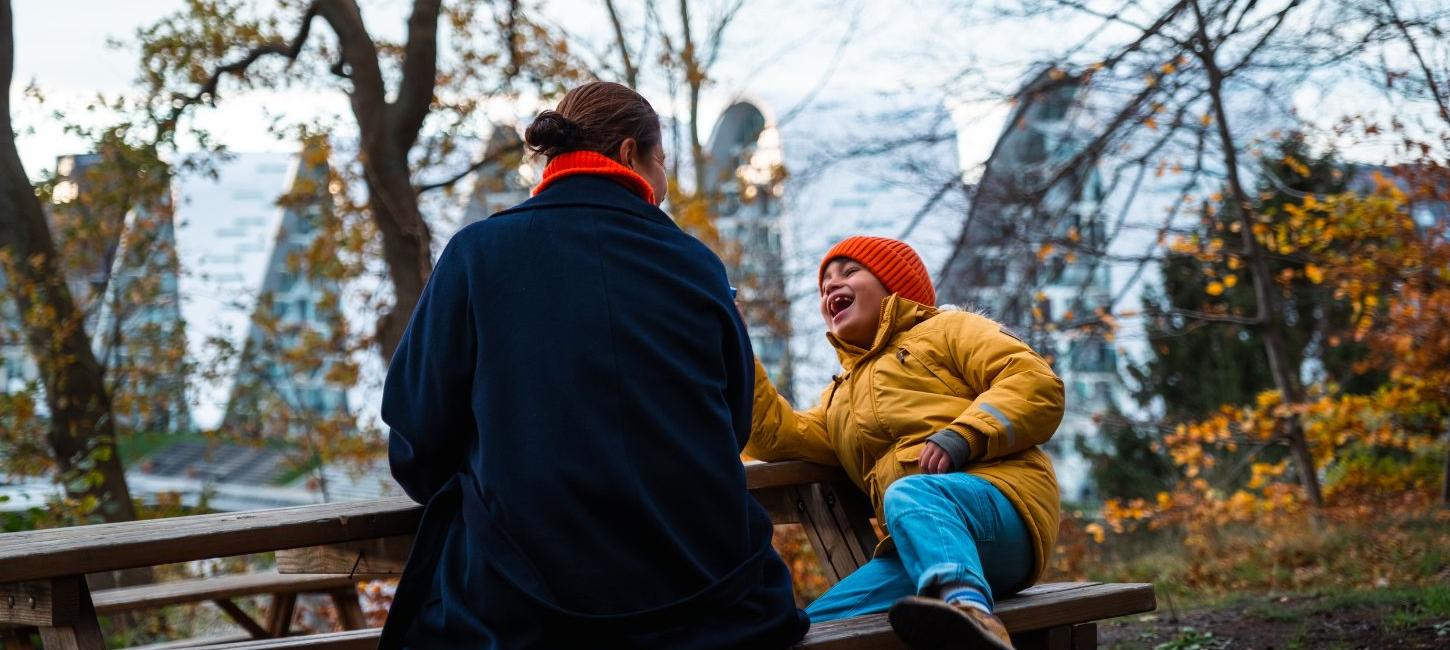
<point>569,400</point>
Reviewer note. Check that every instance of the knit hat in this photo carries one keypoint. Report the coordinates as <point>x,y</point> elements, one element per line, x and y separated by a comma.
<point>893,262</point>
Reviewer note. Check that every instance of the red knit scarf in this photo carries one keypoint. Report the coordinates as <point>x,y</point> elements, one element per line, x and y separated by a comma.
<point>574,163</point>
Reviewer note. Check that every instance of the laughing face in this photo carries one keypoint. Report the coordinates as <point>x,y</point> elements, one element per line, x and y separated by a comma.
<point>851,301</point>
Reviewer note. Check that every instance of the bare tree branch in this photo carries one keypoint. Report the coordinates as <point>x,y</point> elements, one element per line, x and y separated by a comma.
<point>1430,80</point>
<point>631,75</point>
<point>208,91</point>
<point>420,72</point>
<point>489,157</point>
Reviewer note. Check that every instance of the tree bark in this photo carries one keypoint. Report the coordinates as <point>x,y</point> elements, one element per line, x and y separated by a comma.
<point>694,79</point>
<point>82,432</point>
<point>388,131</point>
<point>1265,294</point>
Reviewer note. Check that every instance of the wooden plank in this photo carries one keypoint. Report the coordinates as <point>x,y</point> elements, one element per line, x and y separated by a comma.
<point>837,547</point>
<point>1052,638</point>
<point>845,512</point>
<point>1047,588</point>
<point>1085,636</point>
<point>36,554</point>
<point>779,502</point>
<point>364,639</point>
<point>853,510</point>
<point>1085,604</point>
<point>241,618</point>
<point>860,633</point>
<point>237,585</point>
<point>365,559</point>
<point>349,610</point>
<point>279,615</point>
<point>1042,606</point>
<point>82,631</point>
<point>195,642</point>
<point>32,555</point>
<point>40,602</point>
<point>760,475</point>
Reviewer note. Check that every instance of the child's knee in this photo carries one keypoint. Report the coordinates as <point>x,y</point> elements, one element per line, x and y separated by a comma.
<point>935,491</point>
<point>910,493</point>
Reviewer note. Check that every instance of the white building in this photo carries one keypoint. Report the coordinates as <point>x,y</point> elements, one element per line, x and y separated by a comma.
<point>237,249</point>
<point>1004,261</point>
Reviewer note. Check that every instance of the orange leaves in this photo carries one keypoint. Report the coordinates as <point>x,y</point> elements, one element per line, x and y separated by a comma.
<point>1297,166</point>
<point>1314,273</point>
<point>1263,472</point>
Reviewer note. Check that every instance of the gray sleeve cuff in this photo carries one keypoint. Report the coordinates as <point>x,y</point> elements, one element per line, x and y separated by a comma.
<point>954,444</point>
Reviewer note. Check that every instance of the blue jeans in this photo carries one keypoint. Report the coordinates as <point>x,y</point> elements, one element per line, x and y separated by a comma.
<point>949,528</point>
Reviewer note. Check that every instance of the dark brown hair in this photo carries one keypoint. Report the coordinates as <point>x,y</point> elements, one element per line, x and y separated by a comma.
<point>597,116</point>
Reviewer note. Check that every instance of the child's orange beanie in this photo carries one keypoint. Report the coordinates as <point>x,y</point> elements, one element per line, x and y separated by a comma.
<point>893,262</point>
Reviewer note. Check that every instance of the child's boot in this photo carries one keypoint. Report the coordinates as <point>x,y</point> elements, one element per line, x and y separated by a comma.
<point>934,624</point>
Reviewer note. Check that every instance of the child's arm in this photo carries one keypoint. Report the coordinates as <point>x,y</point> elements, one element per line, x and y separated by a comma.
<point>779,432</point>
<point>1019,399</point>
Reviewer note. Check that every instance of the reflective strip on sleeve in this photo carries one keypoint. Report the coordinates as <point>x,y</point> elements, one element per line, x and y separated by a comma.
<point>1006,424</point>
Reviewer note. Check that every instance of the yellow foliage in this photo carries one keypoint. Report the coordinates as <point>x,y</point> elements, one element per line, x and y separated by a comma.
<point>1314,273</point>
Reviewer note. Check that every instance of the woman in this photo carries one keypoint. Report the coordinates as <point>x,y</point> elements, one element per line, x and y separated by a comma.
<point>570,400</point>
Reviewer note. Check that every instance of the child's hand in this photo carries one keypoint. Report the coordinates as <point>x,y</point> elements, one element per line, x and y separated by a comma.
<point>934,459</point>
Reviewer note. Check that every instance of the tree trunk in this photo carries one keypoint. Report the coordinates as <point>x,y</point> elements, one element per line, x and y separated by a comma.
<point>694,78</point>
<point>389,130</point>
<point>82,433</point>
<point>406,242</point>
<point>1265,294</point>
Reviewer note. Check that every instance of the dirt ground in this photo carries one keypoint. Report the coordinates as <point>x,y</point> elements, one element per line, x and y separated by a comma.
<point>1370,620</point>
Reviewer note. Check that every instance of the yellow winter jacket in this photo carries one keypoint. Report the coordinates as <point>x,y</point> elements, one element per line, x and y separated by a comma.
<point>928,370</point>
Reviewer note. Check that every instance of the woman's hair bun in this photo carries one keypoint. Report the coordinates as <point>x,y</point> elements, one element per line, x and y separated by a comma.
<point>552,133</point>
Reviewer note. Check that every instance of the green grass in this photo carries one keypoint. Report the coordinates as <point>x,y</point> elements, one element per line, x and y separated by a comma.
<point>1191,639</point>
<point>1301,637</point>
<point>1413,606</point>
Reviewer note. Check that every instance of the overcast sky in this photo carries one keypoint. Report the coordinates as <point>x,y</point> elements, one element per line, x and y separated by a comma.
<point>779,52</point>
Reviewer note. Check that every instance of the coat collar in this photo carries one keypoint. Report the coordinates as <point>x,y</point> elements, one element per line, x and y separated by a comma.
<point>592,163</point>
<point>590,191</point>
<point>897,315</point>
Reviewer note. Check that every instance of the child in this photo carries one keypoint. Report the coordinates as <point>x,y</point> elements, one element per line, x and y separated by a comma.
<point>937,416</point>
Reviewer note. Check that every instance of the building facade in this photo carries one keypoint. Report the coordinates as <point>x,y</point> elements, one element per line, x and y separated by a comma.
<point>1030,254</point>
<point>748,183</point>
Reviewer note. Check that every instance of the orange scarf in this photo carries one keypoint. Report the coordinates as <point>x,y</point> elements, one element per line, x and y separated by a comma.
<point>574,163</point>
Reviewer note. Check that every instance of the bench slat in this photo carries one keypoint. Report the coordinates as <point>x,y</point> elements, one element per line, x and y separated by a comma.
<point>30,555</point>
<point>760,475</point>
<point>1090,602</point>
<point>105,547</point>
<point>364,639</point>
<point>111,601</point>
<point>195,642</point>
<point>1042,606</point>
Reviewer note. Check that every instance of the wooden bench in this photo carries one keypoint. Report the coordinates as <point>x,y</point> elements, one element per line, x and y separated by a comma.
<point>43,571</point>
<point>221,590</point>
